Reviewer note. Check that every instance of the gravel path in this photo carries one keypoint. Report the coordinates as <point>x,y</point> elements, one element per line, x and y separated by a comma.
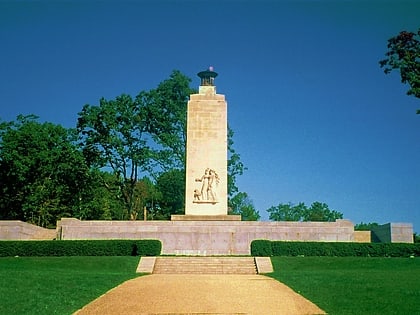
<point>201,294</point>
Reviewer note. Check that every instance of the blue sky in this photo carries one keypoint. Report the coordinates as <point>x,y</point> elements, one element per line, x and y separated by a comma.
<point>315,118</point>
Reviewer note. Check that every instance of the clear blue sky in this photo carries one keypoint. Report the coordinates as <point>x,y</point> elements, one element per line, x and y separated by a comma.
<point>315,118</point>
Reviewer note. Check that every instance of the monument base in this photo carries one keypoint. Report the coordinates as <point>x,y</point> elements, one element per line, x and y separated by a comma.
<point>205,238</point>
<point>220,217</point>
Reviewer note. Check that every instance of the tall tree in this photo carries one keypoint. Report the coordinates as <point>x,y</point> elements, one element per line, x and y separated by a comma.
<point>235,165</point>
<point>42,172</point>
<point>166,112</point>
<point>114,135</point>
<point>404,55</point>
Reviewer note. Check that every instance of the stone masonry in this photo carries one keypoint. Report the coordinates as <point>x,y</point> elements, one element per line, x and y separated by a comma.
<point>207,237</point>
<point>206,162</point>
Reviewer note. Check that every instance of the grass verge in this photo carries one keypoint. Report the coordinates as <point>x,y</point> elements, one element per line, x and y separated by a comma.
<point>59,285</point>
<point>354,285</point>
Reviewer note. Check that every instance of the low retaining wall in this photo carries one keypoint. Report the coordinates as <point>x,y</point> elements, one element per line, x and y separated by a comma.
<point>207,237</point>
<point>18,230</point>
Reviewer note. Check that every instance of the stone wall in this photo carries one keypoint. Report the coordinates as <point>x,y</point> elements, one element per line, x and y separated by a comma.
<point>362,236</point>
<point>18,230</point>
<point>393,233</point>
<point>207,237</point>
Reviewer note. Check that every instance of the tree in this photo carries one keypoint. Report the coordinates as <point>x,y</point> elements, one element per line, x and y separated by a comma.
<point>166,112</point>
<point>241,204</point>
<point>171,187</point>
<point>404,55</point>
<point>300,212</point>
<point>365,226</point>
<point>100,200</point>
<point>320,212</point>
<point>42,172</point>
<point>287,212</point>
<point>146,195</point>
<point>114,135</point>
<point>235,166</point>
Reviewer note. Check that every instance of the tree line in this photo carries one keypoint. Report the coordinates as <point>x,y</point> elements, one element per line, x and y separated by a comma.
<point>123,155</point>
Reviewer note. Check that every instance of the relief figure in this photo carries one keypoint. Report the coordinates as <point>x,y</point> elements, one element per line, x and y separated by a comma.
<point>209,181</point>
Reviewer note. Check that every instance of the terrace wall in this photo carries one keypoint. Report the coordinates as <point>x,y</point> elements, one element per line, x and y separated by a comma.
<point>207,237</point>
<point>18,230</point>
<point>393,233</point>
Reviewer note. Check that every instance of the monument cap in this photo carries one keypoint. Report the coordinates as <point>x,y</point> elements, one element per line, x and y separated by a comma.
<point>207,77</point>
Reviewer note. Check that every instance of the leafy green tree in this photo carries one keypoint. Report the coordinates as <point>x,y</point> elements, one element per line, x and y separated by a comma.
<point>316,212</point>
<point>114,135</point>
<point>171,187</point>
<point>287,212</point>
<point>148,196</point>
<point>42,172</point>
<point>365,226</point>
<point>404,55</point>
<point>241,204</point>
<point>100,199</point>
<point>235,165</point>
<point>166,111</point>
<point>321,212</point>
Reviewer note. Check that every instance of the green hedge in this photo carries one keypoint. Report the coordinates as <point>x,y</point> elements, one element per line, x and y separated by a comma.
<point>81,248</point>
<point>281,248</point>
<point>261,248</point>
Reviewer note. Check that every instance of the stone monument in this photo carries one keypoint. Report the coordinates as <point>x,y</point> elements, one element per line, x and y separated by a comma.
<point>206,161</point>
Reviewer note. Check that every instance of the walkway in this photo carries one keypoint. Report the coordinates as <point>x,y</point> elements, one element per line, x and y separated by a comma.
<point>201,294</point>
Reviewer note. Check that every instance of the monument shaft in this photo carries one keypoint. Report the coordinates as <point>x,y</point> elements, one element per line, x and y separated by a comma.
<point>206,165</point>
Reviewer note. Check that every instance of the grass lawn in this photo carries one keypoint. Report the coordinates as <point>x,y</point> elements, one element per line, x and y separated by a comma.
<point>58,285</point>
<point>354,285</point>
<point>339,285</point>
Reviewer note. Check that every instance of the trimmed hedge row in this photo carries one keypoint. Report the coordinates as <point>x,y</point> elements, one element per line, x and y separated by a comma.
<point>282,248</point>
<point>81,248</point>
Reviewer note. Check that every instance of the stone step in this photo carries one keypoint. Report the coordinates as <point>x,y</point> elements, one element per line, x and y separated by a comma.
<point>205,265</point>
<point>206,268</point>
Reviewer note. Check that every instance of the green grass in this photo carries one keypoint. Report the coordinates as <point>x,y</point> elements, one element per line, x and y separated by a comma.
<point>339,285</point>
<point>354,285</point>
<point>59,285</point>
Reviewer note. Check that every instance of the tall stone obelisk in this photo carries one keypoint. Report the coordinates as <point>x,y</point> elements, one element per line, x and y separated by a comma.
<point>206,162</point>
